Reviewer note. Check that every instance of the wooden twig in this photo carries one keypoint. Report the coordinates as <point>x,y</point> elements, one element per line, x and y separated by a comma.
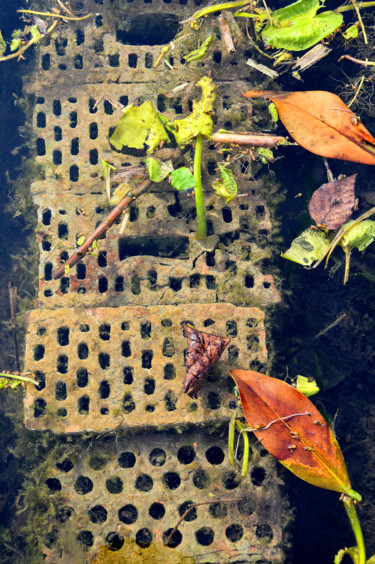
<point>358,61</point>
<point>226,34</point>
<point>13,313</point>
<point>192,507</point>
<point>252,139</point>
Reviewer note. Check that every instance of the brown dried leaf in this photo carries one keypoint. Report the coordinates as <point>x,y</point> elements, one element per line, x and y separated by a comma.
<point>332,204</point>
<point>203,351</point>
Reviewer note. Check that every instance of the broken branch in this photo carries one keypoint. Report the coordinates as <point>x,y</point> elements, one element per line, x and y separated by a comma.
<point>251,139</point>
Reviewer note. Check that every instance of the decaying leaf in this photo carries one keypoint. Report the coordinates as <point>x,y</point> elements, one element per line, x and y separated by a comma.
<point>3,45</point>
<point>321,123</point>
<point>226,187</point>
<point>158,169</point>
<point>360,235</point>
<point>308,247</point>
<point>203,352</point>
<point>291,428</point>
<point>332,204</point>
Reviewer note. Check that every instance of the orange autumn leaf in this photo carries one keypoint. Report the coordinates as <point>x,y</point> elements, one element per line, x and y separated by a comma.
<point>303,443</point>
<point>321,123</point>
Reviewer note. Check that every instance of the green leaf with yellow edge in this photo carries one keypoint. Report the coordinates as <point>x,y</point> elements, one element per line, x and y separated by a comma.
<point>351,32</point>
<point>360,235</point>
<point>3,45</point>
<point>15,44</point>
<point>182,179</point>
<point>308,247</point>
<point>35,33</point>
<point>291,428</point>
<point>226,187</point>
<point>273,112</point>
<point>158,169</point>
<point>199,53</point>
<point>307,386</point>
<point>297,26</point>
<point>354,555</point>
<point>139,126</point>
<point>200,120</point>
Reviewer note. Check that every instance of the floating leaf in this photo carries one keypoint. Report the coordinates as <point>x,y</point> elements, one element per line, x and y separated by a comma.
<point>291,428</point>
<point>227,187</point>
<point>298,27</point>
<point>203,352</point>
<point>308,247</point>
<point>351,32</point>
<point>199,53</point>
<point>139,126</point>
<point>273,112</point>
<point>182,179</point>
<point>321,123</point>
<point>3,45</point>
<point>35,33</point>
<point>332,204</point>
<point>307,386</point>
<point>360,235</point>
<point>200,120</point>
<point>158,169</point>
<point>266,154</point>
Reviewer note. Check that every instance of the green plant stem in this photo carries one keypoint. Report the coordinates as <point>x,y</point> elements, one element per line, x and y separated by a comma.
<point>19,377</point>
<point>347,8</point>
<point>356,526</point>
<point>246,450</point>
<point>232,426</point>
<point>199,199</point>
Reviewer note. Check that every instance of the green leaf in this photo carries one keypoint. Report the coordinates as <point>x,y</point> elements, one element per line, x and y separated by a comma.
<point>107,168</point>
<point>226,187</point>
<point>307,386</point>
<point>157,169</point>
<point>274,113</point>
<point>15,44</point>
<point>351,32</point>
<point>139,126</point>
<point>360,235</point>
<point>35,33</point>
<point>3,45</point>
<point>308,247</point>
<point>352,552</point>
<point>266,154</point>
<point>297,27</point>
<point>199,53</point>
<point>182,179</point>
<point>200,120</point>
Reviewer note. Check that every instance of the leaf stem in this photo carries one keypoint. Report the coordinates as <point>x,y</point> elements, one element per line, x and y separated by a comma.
<point>199,199</point>
<point>232,426</point>
<point>19,377</point>
<point>348,7</point>
<point>356,526</point>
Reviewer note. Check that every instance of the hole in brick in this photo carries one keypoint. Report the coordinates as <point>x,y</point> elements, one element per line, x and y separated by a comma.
<point>231,329</point>
<point>46,61</point>
<point>56,108</point>
<point>60,391</point>
<point>63,514</point>
<point>53,484</point>
<point>74,173</point>
<point>145,330</point>
<point>41,119</point>
<point>157,457</point>
<point>51,538</point>
<point>102,284</point>
<point>201,479</point>
<point>210,258</point>
<point>83,485</point>
<point>108,108</point>
<point>135,285</point>
<point>125,325</point>
<point>64,285</point>
<point>41,379</point>
<point>215,455</point>
<point>80,36</point>
<point>114,60</point>
<point>233,353</point>
<point>133,215</point>
<point>63,231</point>
<point>62,66</point>
<point>74,146</point>
<point>194,280</point>
<point>216,57</point>
<point>98,514</point>
<point>205,536</point>
<point>62,412</point>
<point>208,322</point>
<point>93,130</point>
<point>65,465</point>
<point>231,266</point>
<point>171,480</point>
<point>99,20</point>
<point>128,372</point>
<point>40,147</point>
<point>166,323</point>
<point>63,336</point>
<point>152,278</point>
<point>73,120</point>
<point>165,246</point>
<point>234,532</point>
<point>97,462</point>
<point>86,538</point>
<point>78,62</point>
<point>231,480</point>
<point>105,331</point>
<point>147,357</point>
<point>124,100</point>
<point>169,372</point>
<point>210,282</point>
<point>82,351</point>
<point>128,404</point>
<point>46,244</point>
<point>186,454</point>
<point>62,364</point>
<point>258,475</point>
<point>260,213</point>
<point>176,540</point>
<point>170,401</point>
<point>46,217</point>
<point>213,400</point>
<point>264,531</point>
<point>119,284</point>
<point>81,271</point>
<point>266,285</point>
<point>92,108</point>
<point>144,483</point>
<point>149,386</point>
<point>48,271</point>
<point>83,404</point>
<point>227,215</point>
<point>149,29</point>
<point>104,389</point>
<point>82,377</point>
<point>114,485</point>
<point>104,361</point>
<point>192,515</point>
<point>249,281</point>
<point>126,460</point>
<point>40,406</point>
<point>252,342</point>
<point>211,168</point>
<point>98,46</point>
<point>93,156</point>
<point>157,511</point>
<point>149,60</point>
<point>218,510</point>
<point>84,328</point>
<point>175,284</point>
<point>128,514</point>
<point>104,411</point>
<point>144,538</point>
<point>168,349</point>
<point>126,350</point>
<point>150,408</point>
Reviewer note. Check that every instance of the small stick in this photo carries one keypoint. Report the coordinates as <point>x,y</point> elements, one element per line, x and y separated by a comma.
<point>13,313</point>
<point>192,507</point>
<point>251,139</point>
<point>50,15</point>
<point>329,172</point>
<point>226,34</point>
<point>358,61</point>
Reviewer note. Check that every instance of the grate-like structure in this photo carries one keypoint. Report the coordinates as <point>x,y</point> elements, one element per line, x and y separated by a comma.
<point>105,341</point>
